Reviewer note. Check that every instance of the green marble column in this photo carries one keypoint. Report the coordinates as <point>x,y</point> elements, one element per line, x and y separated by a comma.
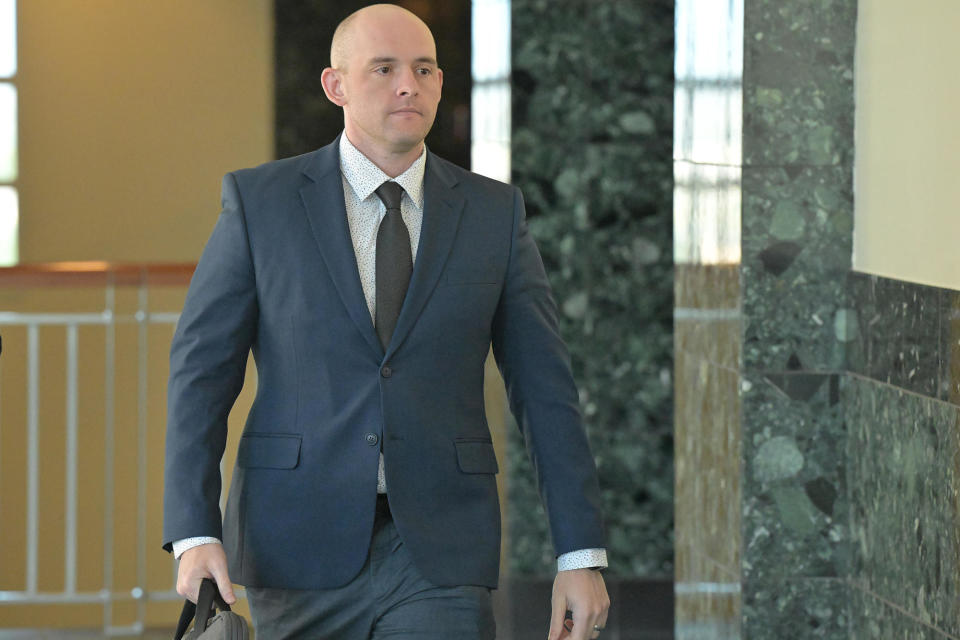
<point>767,131</point>
<point>592,120</point>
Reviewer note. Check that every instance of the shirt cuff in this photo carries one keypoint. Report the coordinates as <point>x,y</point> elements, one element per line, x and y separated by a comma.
<point>179,546</point>
<point>583,559</point>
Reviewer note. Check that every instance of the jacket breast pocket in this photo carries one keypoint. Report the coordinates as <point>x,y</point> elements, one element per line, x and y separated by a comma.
<point>476,456</point>
<point>471,274</point>
<point>269,451</point>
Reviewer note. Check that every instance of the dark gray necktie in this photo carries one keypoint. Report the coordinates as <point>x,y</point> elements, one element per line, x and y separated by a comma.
<point>394,262</point>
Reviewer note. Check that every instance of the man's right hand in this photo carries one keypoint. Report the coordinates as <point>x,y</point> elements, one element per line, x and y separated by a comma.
<point>204,561</point>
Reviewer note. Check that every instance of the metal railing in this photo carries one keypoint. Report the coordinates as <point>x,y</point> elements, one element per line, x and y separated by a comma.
<point>86,275</point>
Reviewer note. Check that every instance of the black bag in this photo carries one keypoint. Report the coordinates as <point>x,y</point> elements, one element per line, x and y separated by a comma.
<point>210,625</point>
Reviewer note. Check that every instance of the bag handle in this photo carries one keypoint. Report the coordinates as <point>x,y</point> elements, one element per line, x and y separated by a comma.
<point>208,599</point>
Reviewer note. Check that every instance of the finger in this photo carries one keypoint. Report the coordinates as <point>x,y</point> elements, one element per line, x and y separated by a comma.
<point>224,585</point>
<point>600,620</point>
<point>188,582</point>
<point>195,579</point>
<point>602,623</point>
<point>603,619</point>
<point>556,619</point>
<point>582,626</point>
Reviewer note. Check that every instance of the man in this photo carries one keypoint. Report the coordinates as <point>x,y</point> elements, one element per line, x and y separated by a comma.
<point>364,501</point>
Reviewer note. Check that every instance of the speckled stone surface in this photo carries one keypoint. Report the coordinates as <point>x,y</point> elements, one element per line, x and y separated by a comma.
<point>949,353</point>
<point>873,618</point>
<point>798,82</point>
<point>797,222</point>
<point>591,145</point>
<point>904,453</point>
<point>898,338</point>
<point>798,609</point>
<point>795,513</point>
<point>797,242</point>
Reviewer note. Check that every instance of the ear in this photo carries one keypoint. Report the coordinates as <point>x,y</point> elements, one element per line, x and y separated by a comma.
<point>332,82</point>
<point>440,77</point>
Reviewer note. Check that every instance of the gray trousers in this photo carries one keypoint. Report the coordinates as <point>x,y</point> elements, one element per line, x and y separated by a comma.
<point>388,599</point>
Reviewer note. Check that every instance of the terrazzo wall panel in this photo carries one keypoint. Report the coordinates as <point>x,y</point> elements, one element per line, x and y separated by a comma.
<point>793,246</point>
<point>797,238</point>
<point>592,123</point>
<point>901,406</point>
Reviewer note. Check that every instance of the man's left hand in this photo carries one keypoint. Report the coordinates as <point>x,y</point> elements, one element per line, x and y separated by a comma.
<point>582,592</point>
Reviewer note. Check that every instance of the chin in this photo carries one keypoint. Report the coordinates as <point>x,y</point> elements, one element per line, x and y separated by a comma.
<point>407,142</point>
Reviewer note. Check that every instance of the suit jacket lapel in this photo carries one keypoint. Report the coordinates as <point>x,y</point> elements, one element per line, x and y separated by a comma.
<point>327,214</point>
<point>442,207</point>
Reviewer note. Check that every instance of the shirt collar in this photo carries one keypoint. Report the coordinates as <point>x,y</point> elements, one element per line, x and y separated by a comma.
<point>364,177</point>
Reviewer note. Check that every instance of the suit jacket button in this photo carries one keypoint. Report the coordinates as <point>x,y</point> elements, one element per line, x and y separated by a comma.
<point>386,371</point>
<point>372,439</point>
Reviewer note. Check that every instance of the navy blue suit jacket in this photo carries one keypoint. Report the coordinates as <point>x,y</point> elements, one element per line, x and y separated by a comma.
<point>279,277</point>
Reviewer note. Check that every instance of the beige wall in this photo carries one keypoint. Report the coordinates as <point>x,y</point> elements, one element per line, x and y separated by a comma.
<point>907,215</point>
<point>130,113</point>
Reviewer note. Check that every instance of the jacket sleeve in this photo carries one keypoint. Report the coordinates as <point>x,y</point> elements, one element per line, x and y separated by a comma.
<point>535,367</point>
<point>208,359</point>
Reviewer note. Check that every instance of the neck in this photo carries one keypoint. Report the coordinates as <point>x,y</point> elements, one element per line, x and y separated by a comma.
<point>391,162</point>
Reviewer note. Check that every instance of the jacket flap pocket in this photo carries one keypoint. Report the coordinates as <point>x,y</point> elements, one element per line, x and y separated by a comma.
<point>476,456</point>
<point>268,451</point>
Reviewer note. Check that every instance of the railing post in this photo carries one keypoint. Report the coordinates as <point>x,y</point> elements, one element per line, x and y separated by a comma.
<point>142,326</point>
<point>70,541</point>
<point>108,418</point>
<point>33,454</point>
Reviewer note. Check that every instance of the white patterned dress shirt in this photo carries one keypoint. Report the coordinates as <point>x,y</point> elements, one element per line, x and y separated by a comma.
<point>361,177</point>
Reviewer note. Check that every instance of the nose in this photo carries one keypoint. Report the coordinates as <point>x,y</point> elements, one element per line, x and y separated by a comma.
<point>407,83</point>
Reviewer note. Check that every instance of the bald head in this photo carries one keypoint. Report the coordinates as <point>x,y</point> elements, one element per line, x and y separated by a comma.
<point>383,72</point>
<point>362,20</point>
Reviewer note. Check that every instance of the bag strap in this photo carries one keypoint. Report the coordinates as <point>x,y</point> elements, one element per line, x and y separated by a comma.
<point>208,599</point>
<point>186,615</point>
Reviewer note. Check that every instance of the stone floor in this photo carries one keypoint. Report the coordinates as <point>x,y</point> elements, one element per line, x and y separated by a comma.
<point>642,610</point>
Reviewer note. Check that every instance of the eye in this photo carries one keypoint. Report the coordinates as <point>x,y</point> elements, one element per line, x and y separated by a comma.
<point>425,71</point>
<point>383,70</point>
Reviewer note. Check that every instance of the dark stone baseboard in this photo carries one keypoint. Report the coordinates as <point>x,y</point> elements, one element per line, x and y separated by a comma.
<point>641,609</point>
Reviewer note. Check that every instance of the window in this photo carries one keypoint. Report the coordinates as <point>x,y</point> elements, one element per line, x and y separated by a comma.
<point>490,111</point>
<point>9,200</point>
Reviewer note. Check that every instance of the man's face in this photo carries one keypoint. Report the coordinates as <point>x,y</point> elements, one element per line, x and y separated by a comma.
<point>391,86</point>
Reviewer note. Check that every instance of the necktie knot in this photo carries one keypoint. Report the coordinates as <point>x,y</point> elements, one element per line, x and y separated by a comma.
<point>390,193</point>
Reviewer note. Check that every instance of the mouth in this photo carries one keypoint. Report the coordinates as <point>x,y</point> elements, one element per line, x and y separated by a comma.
<point>406,111</point>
